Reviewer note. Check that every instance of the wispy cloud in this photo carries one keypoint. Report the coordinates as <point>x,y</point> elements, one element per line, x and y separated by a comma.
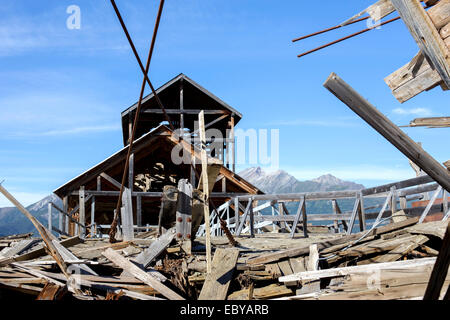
<point>337,123</point>
<point>423,112</point>
<point>80,130</point>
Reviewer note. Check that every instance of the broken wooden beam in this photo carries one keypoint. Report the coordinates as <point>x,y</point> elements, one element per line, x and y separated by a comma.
<point>387,129</point>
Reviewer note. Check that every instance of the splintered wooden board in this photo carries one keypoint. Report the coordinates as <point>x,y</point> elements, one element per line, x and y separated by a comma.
<point>217,282</point>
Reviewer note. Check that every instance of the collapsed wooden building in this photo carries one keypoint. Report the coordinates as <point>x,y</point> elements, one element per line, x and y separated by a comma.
<point>159,158</point>
<point>397,248</point>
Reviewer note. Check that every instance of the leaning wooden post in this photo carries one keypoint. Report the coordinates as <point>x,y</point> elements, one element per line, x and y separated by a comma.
<point>440,269</point>
<point>204,177</point>
<point>387,129</point>
<point>93,217</point>
<point>46,236</point>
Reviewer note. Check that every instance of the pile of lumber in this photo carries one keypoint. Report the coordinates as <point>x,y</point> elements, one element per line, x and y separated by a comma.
<point>394,261</point>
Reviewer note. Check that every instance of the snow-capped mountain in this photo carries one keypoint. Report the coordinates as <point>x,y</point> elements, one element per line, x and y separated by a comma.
<point>12,221</point>
<point>282,182</point>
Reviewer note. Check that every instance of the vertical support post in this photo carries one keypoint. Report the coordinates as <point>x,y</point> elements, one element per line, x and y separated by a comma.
<point>193,182</point>
<point>305,220</point>
<point>182,106</point>
<point>393,203</point>
<point>127,216</point>
<point>82,216</point>
<point>184,211</point>
<point>130,128</point>
<point>50,217</point>
<point>201,120</point>
<point>139,210</point>
<point>361,213</point>
<point>402,202</point>
<point>252,222</point>
<point>224,184</point>
<point>99,183</point>
<point>131,173</point>
<point>62,217</point>
<point>335,222</point>
<point>273,223</point>
<point>93,217</point>
<point>236,214</point>
<point>445,202</point>
<point>233,145</point>
<point>337,210</point>
<point>244,218</point>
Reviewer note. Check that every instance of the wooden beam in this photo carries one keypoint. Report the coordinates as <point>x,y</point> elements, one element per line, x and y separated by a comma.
<point>426,35</point>
<point>218,280</point>
<point>46,235</point>
<point>127,216</point>
<point>297,217</point>
<point>185,111</point>
<point>388,129</point>
<point>82,215</point>
<point>134,270</point>
<point>440,269</point>
<point>111,180</point>
<point>430,204</point>
<point>155,249</point>
<point>204,176</point>
<point>131,173</point>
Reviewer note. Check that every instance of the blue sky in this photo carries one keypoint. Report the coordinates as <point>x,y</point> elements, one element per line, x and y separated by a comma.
<point>62,91</point>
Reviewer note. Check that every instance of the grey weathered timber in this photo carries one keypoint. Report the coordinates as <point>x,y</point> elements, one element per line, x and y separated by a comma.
<point>62,218</point>
<point>440,269</point>
<point>49,218</point>
<point>430,204</point>
<point>46,235</point>
<point>398,185</point>
<point>18,248</point>
<point>218,280</point>
<point>337,211</point>
<point>93,217</point>
<point>184,210</point>
<point>182,105</point>
<point>297,216</point>
<point>111,180</point>
<point>131,173</point>
<point>205,180</point>
<point>69,256</point>
<point>252,222</point>
<point>185,111</point>
<point>426,35</point>
<point>361,213</point>
<point>356,207</point>
<point>155,249</point>
<point>139,211</point>
<point>127,216</point>
<point>388,129</point>
<point>383,209</point>
<point>82,213</point>
<point>128,266</point>
<point>369,268</point>
<point>244,218</point>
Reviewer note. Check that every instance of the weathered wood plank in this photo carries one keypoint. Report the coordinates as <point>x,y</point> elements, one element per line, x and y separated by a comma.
<point>426,35</point>
<point>218,280</point>
<point>155,249</point>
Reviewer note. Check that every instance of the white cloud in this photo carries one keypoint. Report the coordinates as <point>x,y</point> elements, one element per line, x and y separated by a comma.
<point>423,112</point>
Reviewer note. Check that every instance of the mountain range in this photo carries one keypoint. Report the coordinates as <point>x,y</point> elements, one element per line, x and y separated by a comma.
<point>12,221</point>
<point>282,182</point>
